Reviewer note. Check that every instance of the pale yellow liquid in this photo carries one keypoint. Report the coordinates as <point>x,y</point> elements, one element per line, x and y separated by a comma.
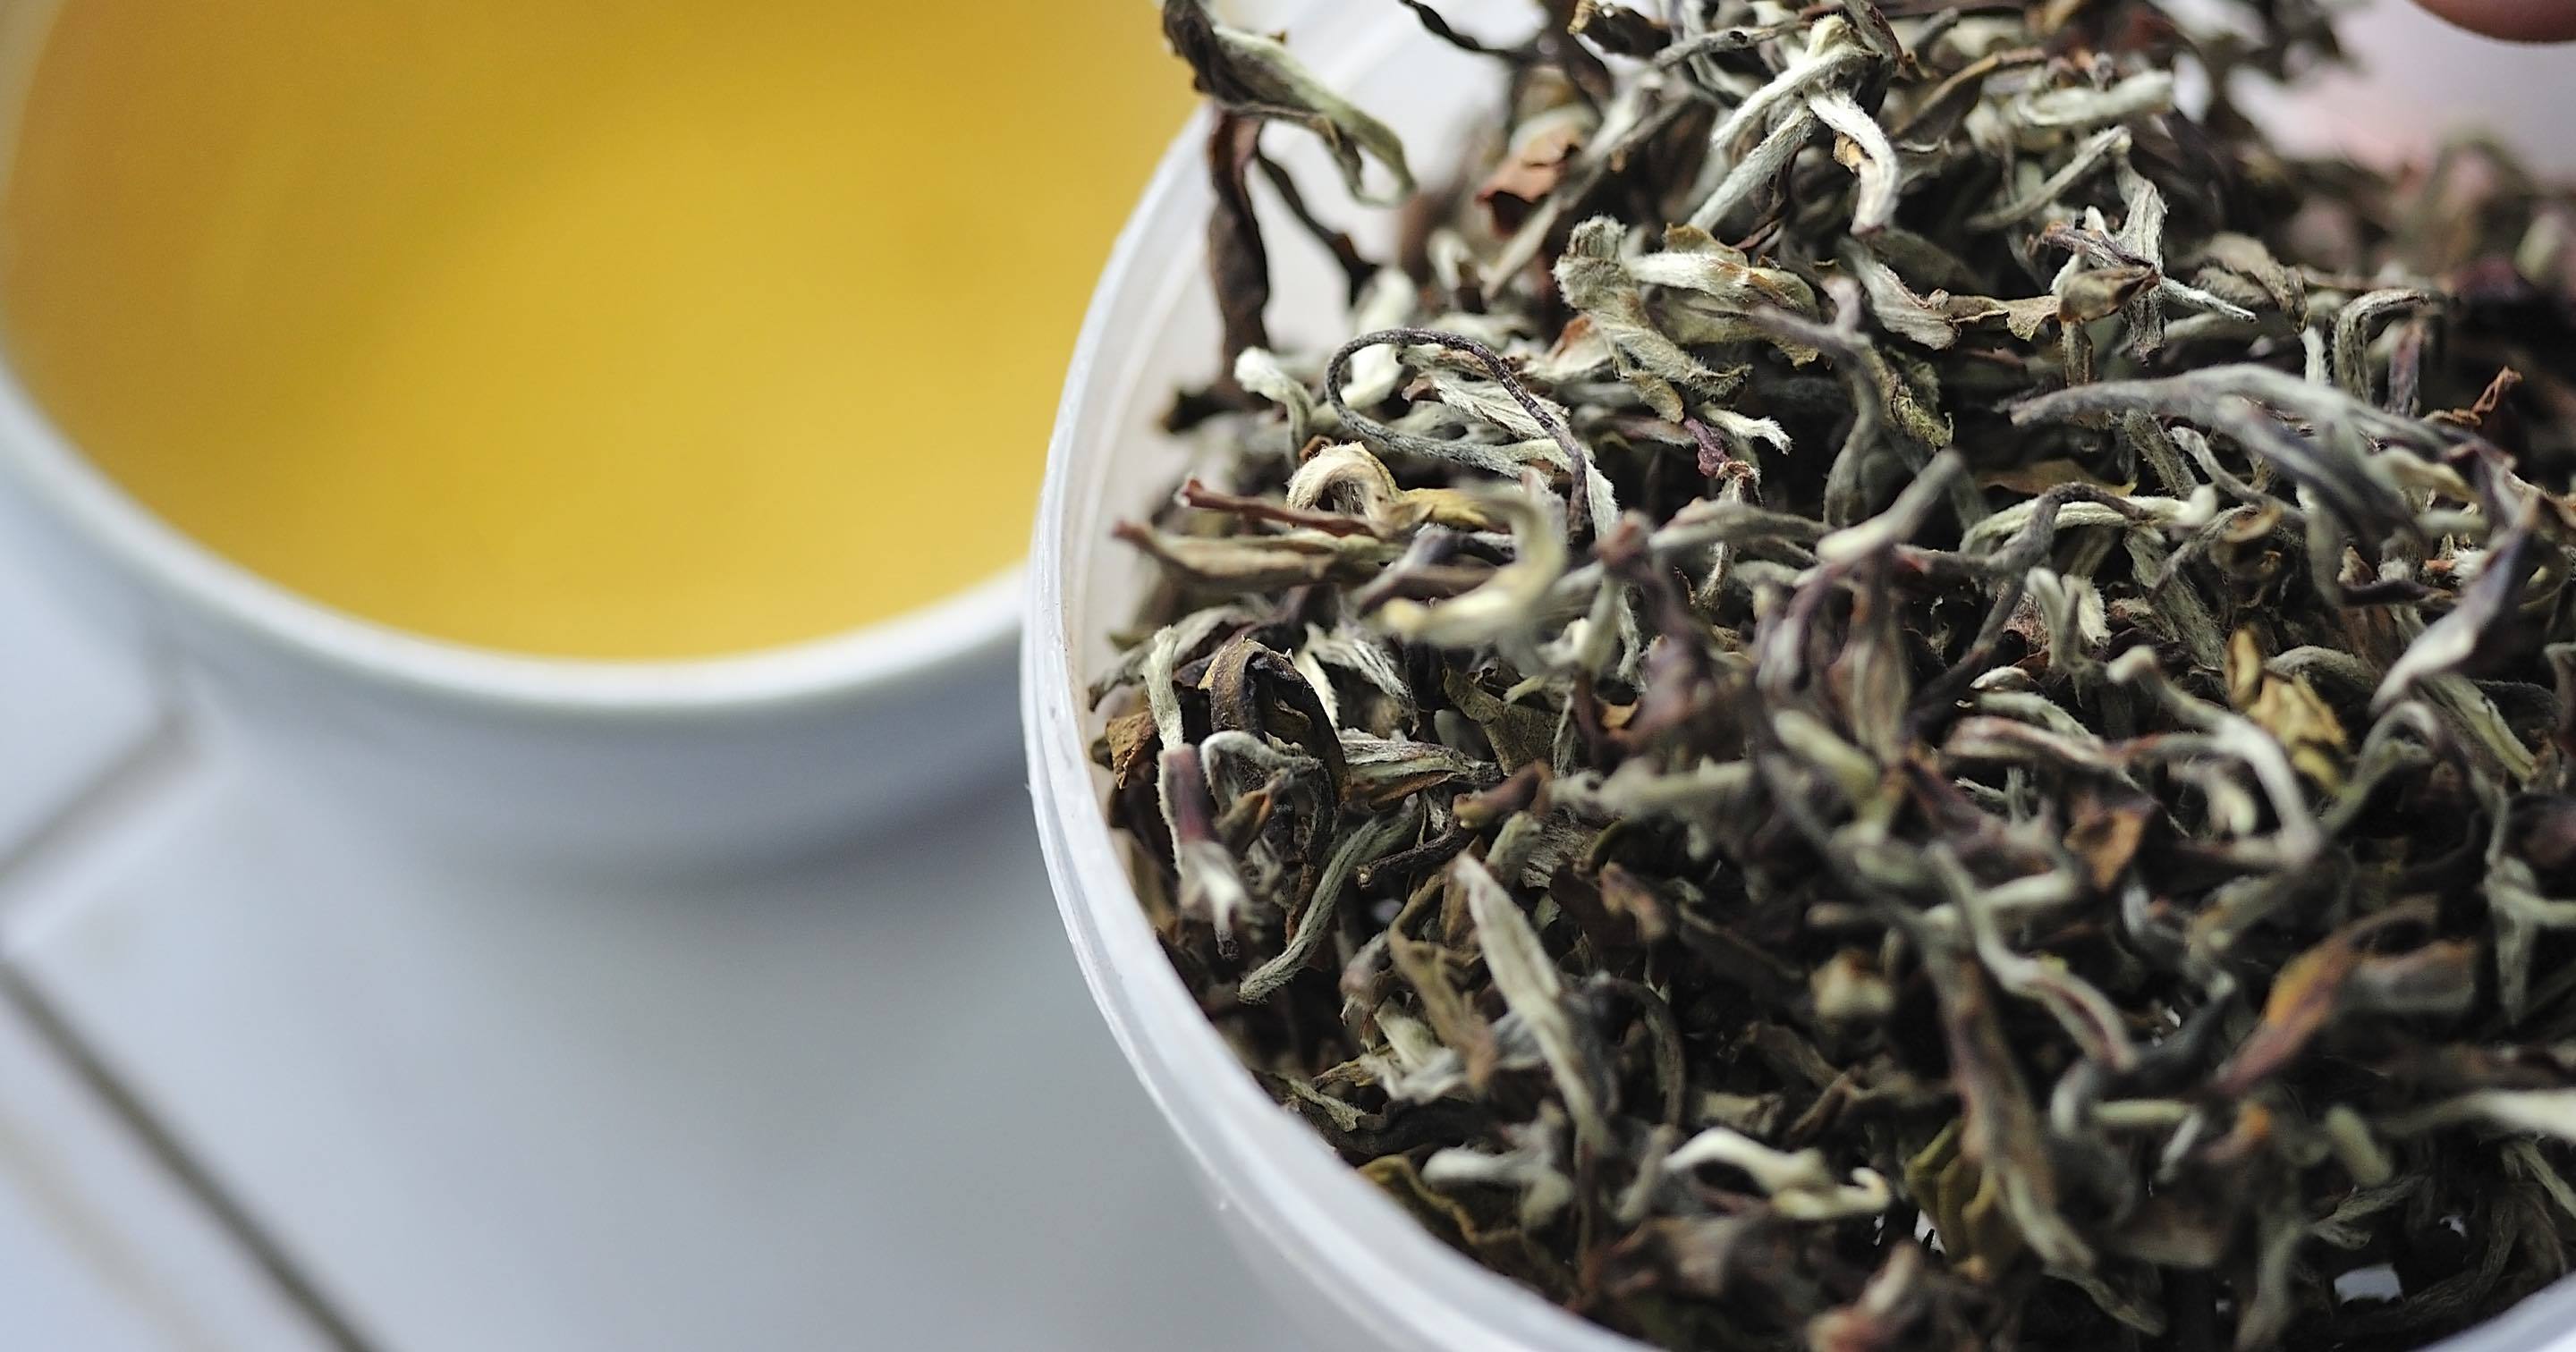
<point>619,329</point>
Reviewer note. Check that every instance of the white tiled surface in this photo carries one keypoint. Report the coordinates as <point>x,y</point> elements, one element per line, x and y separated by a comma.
<point>68,708</point>
<point>99,1250</point>
<point>865,1106</point>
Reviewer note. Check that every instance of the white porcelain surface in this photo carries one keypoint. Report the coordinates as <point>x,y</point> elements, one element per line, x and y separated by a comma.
<point>101,1250</point>
<point>860,1106</point>
<point>857,1104</point>
<point>74,709</point>
<point>1318,1230</point>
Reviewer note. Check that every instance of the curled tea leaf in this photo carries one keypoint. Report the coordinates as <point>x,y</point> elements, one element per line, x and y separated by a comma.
<point>1254,76</point>
<point>1939,754</point>
<point>1527,980</point>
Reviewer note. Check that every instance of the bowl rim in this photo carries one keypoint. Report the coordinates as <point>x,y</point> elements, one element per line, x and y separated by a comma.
<point>1270,1170</point>
<point>973,623</point>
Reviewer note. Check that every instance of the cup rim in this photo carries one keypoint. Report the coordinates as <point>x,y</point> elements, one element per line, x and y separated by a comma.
<point>976,620</point>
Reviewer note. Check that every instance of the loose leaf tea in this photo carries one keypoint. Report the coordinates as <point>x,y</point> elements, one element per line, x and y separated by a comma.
<point>1896,695</point>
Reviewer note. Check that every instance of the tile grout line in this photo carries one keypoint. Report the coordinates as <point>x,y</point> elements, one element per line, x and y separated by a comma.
<point>75,1223</point>
<point>182,1168</point>
<point>138,775</point>
<point>131,782</point>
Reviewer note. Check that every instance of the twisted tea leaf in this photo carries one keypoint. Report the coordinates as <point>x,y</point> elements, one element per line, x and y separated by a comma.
<point>1894,696</point>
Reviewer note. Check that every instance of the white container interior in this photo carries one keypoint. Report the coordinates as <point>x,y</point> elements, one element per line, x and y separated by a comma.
<point>1364,1273</point>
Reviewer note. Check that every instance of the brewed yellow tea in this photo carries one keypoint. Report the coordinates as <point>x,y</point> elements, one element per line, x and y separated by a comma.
<point>654,328</point>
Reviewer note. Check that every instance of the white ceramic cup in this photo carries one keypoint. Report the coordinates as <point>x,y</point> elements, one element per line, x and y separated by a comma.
<point>657,764</point>
<point>1357,1271</point>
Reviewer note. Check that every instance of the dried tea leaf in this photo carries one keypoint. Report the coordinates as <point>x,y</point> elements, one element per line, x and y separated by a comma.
<point>1527,980</point>
<point>1378,838</point>
<point>2290,710</point>
<point>1898,727</point>
<point>1253,76</point>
